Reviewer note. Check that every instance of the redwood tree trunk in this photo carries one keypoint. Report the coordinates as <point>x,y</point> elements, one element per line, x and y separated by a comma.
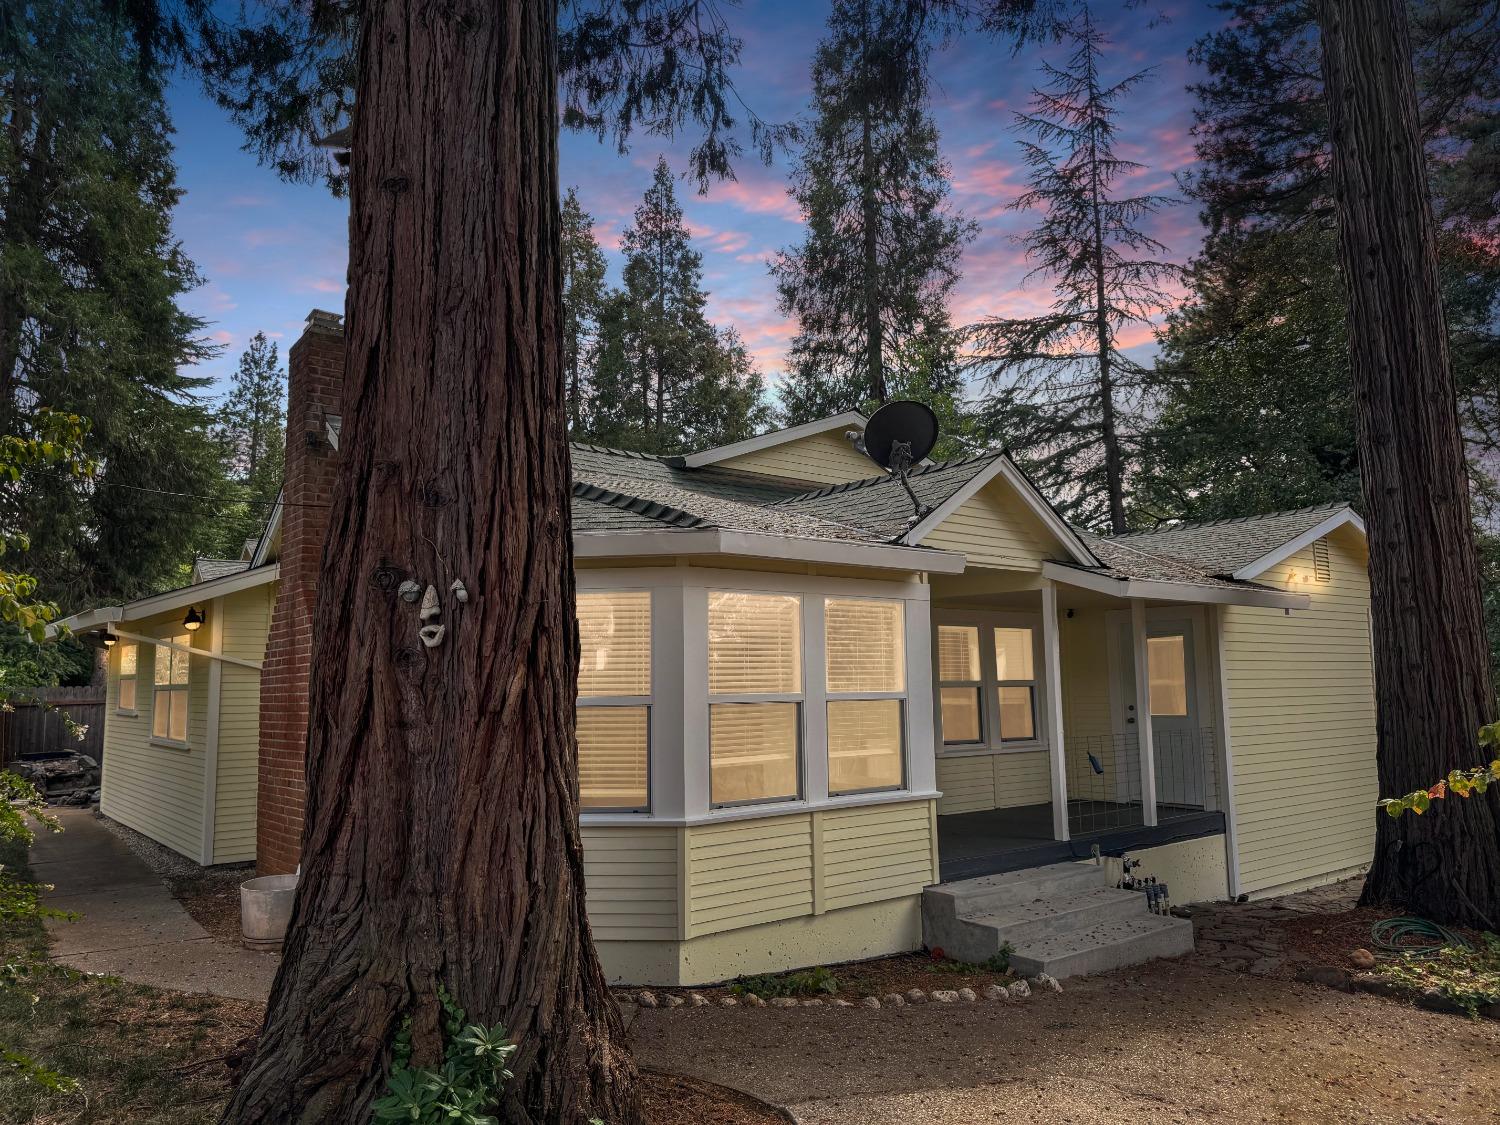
<point>441,845</point>
<point>1432,676</point>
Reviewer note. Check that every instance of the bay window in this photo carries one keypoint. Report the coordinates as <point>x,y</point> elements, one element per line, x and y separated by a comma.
<point>865,655</point>
<point>614,700</point>
<point>755,697</point>
<point>169,699</point>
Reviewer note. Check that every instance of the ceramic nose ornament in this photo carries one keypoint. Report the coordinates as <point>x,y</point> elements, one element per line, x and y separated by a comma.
<point>431,631</point>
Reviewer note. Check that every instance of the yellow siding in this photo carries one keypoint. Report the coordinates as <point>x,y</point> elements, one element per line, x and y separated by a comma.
<point>995,528</point>
<point>156,789</point>
<point>749,872</point>
<point>246,621</point>
<point>1302,711</point>
<point>975,782</point>
<point>826,458</point>
<point>631,875</point>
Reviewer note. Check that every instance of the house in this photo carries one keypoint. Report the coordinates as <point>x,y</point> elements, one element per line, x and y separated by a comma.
<point>800,705</point>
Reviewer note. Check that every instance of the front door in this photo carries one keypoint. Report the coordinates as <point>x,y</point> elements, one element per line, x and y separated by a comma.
<point>1175,723</point>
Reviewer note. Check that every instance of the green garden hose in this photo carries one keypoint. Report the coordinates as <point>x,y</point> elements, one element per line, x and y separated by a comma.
<point>1415,936</point>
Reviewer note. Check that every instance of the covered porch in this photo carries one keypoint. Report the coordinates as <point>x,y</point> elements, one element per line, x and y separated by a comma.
<point>1040,681</point>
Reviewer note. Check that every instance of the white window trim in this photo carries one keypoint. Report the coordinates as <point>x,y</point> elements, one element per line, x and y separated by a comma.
<point>187,695</point>
<point>135,677</point>
<point>987,621</point>
<point>855,696</point>
<point>800,698</point>
<point>647,701</point>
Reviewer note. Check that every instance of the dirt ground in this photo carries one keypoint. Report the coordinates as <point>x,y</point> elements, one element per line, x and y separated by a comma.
<point>1169,1042</point>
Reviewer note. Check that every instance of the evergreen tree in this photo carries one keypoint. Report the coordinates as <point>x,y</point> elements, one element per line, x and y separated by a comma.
<point>90,279</point>
<point>1060,384</point>
<point>252,429</point>
<point>584,291</point>
<point>1254,369</point>
<point>870,281</point>
<point>666,380</point>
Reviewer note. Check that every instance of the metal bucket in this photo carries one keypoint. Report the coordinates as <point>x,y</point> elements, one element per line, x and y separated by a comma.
<point>265,910</point>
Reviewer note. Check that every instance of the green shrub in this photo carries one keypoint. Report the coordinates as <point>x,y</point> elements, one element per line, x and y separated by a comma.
<point>467,1086</point>
<point>804,982</point>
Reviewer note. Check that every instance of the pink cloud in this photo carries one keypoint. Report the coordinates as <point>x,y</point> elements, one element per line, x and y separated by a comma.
<point>323,285</point>
<point>274,236</point>
<point>761,197</point>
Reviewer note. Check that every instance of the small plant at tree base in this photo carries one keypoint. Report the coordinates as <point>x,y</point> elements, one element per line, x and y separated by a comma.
<point>464,1090</point>
<point>1461,782</point>
<point>1468,977</point>
<point>995,963</point>
<point>804,982</point>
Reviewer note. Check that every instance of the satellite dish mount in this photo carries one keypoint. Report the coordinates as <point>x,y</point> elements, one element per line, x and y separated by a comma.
<point>897,436</point>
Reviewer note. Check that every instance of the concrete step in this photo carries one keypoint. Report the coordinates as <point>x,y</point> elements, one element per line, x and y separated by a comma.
<point>1110,945</point>
<point>1062,914</point>
<point>987,893</point>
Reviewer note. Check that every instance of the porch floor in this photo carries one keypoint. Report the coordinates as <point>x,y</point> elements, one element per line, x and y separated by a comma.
<point>996,840</point>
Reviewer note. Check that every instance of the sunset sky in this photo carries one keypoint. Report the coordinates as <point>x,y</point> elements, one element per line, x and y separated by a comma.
<point>270,251</point>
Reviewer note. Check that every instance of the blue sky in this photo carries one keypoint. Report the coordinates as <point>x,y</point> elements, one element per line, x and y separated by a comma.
<point>270,251</point>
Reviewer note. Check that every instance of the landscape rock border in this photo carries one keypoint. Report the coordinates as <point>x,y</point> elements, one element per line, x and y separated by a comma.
<point>1019,989</point>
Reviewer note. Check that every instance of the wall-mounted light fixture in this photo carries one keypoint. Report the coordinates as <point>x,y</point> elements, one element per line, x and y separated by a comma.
<point>109,640</point>
<point>194,619</point>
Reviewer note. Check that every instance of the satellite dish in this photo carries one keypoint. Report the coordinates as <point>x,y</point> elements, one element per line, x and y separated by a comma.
<point>900,434</point>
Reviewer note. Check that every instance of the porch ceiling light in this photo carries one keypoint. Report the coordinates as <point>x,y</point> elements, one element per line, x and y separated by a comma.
<point>194,619</point>
<point>109,640</point>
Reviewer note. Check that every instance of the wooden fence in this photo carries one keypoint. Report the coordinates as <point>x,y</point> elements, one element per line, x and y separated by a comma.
<point>32,728</point>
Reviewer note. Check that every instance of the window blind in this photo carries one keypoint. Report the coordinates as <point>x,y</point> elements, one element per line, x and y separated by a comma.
<point>1166,662</point>
<point>614,632</point>
<point>1013,654</point>
<point>754,644</point>
<point>958,652</point>
<point>864,745</point>
<point>866,645</point>
<point>753,752</point>
<point>613,756</point>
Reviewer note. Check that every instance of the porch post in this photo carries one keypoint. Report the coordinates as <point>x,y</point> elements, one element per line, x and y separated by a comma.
<point>1143,710</point>
<point>1052,662</point>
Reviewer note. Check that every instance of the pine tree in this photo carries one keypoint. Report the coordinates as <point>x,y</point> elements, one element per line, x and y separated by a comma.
<point>252,430</point>
<point>584,292</point>
<point>666,380</point>
<point>870,281</point>
<point>90,280</point>
<point>1060,382</point>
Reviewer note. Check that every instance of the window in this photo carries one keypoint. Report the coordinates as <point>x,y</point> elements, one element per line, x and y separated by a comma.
<point>960,684</point>
<point>169,700</point>
<point>865,657</point>
<point>125,694</point>
<point>614,700</point>
<point>755,697</point>
<point>1166,664</point>
<point>1015,680</point>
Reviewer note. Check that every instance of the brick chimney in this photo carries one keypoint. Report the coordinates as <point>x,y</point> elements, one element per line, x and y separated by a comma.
<point>315,379</point>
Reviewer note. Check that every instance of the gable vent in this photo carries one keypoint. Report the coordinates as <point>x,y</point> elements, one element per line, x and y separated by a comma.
<point>1322,566</point>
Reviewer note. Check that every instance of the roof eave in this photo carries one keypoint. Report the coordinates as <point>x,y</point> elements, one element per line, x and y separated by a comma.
<point>1336,520</point>
<point>761,545</point>
<point>771,440</point>
<point>92,619</point>
<point>1189,592</point>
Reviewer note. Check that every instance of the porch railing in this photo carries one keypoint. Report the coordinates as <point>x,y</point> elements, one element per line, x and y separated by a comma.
<point>1104,779</point>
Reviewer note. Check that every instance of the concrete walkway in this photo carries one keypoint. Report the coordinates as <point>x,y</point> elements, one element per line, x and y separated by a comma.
<point>130,925</point>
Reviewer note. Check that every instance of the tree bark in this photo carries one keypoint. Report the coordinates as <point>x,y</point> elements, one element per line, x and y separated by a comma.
<point>441,846</point>
<point>1432,676</point>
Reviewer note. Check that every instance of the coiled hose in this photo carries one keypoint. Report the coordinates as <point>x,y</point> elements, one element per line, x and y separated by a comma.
<point>1416,937</point>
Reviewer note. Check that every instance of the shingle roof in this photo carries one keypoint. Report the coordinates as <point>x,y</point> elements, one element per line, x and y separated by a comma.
<point>880,505</point>
<point>217,568</point>
<point>1124,560</point>
<point>1221,547</point>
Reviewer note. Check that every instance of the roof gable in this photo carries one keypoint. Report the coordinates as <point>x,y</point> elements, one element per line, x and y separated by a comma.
<point>814,451</point>
<point>1246,547</point>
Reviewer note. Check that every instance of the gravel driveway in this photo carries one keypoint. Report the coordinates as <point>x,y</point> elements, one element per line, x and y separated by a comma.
<point>1166,1042</point>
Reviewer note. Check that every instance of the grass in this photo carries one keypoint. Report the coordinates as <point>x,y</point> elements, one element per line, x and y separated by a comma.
<point>132,1054</point>
<point>802,982</point>
<point>1468,977</point>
